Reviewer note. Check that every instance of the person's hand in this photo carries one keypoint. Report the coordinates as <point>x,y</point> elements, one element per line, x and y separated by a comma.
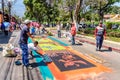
<point>105,37</point>
<point>32,36</point>
<point>95,37</point>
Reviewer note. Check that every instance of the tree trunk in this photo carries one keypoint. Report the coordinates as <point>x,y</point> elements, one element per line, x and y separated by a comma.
<point>101,14</point>
<point>78,6</point>
<point>76,13</point>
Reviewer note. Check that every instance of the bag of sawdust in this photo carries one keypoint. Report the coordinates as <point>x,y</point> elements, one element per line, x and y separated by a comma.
<point>8,51</point>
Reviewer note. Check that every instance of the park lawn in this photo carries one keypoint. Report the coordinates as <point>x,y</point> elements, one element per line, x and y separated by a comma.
<point>114,39</point>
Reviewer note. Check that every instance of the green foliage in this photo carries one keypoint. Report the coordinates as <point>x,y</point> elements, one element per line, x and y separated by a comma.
<point>113,10</point>
<point>62,10</point>
<point>100,6</point>
<point>113,33</point>
<point>108,25</point>
<point>110,33</point>
<point>41,10</point>
<point>89,31</point>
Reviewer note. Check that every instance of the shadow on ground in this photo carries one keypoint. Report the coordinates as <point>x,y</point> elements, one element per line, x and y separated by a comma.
<point>34,65</point>
<point>106,50</point>
<point>4,39</point>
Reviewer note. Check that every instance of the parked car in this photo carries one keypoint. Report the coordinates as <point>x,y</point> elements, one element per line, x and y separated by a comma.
<point>81,26</point>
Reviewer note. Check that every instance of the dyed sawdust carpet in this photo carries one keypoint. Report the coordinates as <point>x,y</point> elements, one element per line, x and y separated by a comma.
<point>67,61</point>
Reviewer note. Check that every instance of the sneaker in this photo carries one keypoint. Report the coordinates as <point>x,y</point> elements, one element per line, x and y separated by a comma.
<point>29,67</point>
<point>97,49</point>
<point>30,57</point>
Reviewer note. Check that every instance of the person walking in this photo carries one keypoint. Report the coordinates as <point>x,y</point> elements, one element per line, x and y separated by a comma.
<point>59,29</point>
<point>5,26</point>
<point>23,42</point>
<point>100,34</point>
<point>73,33</point>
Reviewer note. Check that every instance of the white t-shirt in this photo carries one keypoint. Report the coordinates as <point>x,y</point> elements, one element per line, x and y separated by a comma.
<point>31,47</point>
<point>58,27</point>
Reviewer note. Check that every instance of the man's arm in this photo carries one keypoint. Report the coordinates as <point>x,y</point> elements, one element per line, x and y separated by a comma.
<point>95,32</point>
<point>30,35</point>
<point>37,50</point>
<point>104,33</point>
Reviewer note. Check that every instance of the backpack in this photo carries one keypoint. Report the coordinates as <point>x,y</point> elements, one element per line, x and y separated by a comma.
<point>100,32</point>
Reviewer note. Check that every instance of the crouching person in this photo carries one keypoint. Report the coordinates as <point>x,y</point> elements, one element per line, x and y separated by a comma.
<point>32,46</point>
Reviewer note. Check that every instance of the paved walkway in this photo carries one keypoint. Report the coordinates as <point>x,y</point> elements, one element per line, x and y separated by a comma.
<point>106,44</point>
<point>8,69</point>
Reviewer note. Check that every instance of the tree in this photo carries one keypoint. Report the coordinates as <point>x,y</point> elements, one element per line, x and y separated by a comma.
<point>113,10</point>
<point>41,10</point>
<point>78,7</point>
<point>101,6</point>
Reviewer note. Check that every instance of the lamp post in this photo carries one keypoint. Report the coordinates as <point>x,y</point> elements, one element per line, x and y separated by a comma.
<point>9,7</point>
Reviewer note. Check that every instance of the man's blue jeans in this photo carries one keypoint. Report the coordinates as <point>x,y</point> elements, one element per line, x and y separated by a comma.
<point>73,39</point>
<point>25,54</point>
<point>99,42</point>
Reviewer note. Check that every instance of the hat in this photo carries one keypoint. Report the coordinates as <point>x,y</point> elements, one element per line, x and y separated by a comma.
<point>27,21</point>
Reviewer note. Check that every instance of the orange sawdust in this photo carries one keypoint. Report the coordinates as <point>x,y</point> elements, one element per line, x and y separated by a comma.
<point>77,74</point>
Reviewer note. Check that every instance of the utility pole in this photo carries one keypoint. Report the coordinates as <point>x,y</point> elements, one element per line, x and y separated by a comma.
<point>3,8</point>
<point>9,6</point>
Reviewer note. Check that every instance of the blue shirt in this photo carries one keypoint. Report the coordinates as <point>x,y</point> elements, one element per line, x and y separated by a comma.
<point>5,25</point>
<point>23,35</point>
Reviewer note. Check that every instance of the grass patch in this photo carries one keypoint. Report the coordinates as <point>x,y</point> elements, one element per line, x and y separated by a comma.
<point>114,39</point>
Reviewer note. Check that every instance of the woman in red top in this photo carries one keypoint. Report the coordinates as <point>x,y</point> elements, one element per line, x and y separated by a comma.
<point>73,33</point>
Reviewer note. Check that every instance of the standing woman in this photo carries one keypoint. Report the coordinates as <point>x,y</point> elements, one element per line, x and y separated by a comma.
<point>73,33</point>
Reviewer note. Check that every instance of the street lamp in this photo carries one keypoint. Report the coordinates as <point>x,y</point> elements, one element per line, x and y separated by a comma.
<point>9,7</point>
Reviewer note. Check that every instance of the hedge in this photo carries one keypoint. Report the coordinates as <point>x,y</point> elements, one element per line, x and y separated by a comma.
<point>110,33</point>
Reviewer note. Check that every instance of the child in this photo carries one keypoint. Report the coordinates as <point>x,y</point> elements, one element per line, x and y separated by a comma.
<point>33,46</point>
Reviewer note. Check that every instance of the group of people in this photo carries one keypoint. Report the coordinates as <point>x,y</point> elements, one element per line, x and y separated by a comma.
<point>72,31</point>
<point>100,34</point>
<point>5,25</point>
<point>28,30</point>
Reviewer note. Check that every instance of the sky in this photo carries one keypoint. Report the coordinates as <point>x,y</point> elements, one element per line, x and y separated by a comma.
<point>19,8</point>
